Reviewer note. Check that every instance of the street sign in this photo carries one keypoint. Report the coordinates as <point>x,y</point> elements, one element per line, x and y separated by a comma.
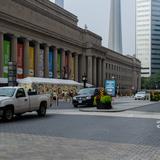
<point>110,87</point>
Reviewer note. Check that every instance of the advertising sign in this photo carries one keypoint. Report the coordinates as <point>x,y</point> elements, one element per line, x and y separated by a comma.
<point>110,87</point>
<point>31,61</point>
<point>50,64</point>
<point>20,52</point>
<point>6,52</point>
<point>41,63</point>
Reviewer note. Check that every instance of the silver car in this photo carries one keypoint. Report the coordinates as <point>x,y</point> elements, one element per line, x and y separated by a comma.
<point>140,95</point>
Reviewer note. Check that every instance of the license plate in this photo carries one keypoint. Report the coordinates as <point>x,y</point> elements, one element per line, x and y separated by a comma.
<point>80,101</point>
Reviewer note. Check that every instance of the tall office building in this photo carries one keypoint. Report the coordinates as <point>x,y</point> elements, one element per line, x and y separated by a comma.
<point>148,36</point>
<point>115,31</point>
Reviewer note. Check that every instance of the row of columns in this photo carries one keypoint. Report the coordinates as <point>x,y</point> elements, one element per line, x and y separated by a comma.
<point>94,66</point>
<point>13,58</point>
<point>96,71</point>
<point>1,54</point>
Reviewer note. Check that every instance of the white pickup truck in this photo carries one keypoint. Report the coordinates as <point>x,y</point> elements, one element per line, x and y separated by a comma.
<point>16,101</point>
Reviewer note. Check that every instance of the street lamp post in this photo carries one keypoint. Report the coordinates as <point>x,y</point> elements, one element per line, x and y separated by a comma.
<point>84,79</point>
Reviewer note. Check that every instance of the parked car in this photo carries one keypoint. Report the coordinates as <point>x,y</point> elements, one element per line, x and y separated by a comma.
<point>85,97</point>
<point>16,101</point>
<point>142,95</point>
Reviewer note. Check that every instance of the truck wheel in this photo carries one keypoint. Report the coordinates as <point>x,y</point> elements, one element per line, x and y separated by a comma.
<point>18,115</point>
<point>75,106</point>
<point>8,114</point>
<point>42,110</point>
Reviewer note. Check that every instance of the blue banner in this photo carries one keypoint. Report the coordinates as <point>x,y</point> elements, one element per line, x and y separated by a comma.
<point>50,64</point>
<point>110,87</point>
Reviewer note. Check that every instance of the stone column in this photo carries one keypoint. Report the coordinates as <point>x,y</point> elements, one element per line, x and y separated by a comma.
<point>26,57</point>
<point>94,71</point>
<point>104,72</point>
<point>37,59</point>
<point>55,62</point>
<point>63,63</point>
<point>89,77</point>
<point>14,49</point>
<point>100,72</point>
<point>76,67</point>
<point>1,54</point>
<point>82,65</point>
<point>46,61</point>
<point>70,65</point>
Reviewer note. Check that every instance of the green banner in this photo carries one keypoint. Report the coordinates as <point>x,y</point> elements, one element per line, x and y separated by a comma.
<point>59,65</point>
<point>6,54</point>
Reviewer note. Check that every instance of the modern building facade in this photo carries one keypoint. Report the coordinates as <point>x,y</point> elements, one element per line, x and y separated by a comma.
<point>115,29</point>
<point>148,35</point>
<point>45,41</point>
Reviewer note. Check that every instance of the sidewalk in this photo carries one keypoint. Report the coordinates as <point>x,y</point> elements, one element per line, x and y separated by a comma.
<point>121,104</point>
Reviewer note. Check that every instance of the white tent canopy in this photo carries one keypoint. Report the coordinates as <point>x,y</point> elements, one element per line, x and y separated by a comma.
<point>3,80</point>
<point>30,80</point>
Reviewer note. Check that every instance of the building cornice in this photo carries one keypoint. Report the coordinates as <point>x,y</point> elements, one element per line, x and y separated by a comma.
<point>47,8</point>
<point>29,26</point>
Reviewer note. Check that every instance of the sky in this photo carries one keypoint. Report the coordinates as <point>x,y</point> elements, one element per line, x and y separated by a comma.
<point>95,14</point>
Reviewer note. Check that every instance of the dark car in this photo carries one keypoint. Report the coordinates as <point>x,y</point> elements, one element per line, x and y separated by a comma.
<point>85,97</point>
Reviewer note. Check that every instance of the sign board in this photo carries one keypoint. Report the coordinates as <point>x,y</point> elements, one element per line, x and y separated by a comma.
<point>12,73</point>
<point>110,87</point>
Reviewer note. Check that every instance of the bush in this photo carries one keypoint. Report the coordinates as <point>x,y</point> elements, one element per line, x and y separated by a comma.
<point>155,96</point>
<point>105,99</point>
<point>105,102</point>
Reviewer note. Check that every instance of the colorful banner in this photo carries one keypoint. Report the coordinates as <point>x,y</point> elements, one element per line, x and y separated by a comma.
<point>31,61</point>
<point>41,63</point>
<point>20,53</point>
<point>50,64</point>
<point>73,68</point>
<point>59,58</point>
<point>66,66</point>
<point>6,53</point>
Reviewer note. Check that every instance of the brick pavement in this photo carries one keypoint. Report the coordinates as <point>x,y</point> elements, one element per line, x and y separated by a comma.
<point>31,147</point>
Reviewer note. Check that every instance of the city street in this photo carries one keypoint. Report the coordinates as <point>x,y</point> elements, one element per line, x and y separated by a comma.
<point>66,133</point>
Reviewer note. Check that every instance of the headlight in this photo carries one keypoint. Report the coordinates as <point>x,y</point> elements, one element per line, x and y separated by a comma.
<point>74,98</point>
<point>88,97</point>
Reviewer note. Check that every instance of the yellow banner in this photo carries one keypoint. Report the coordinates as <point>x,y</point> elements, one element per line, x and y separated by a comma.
<point>31,61</point>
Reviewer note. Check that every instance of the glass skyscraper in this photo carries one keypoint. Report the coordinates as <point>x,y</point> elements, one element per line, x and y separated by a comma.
<point>148,36</point>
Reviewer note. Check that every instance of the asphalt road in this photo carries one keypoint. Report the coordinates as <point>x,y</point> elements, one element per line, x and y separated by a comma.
<point>130,138</point>
<point>149,108</point>
<point>112,129</point>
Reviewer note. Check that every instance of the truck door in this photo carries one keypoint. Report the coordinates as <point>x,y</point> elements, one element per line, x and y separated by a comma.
<point>21,101</point>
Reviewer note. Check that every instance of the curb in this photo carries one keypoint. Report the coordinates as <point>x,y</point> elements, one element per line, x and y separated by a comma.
<point>112,110</point>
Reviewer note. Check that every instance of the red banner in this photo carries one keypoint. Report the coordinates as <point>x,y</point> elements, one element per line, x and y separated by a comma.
<point>20,53</point>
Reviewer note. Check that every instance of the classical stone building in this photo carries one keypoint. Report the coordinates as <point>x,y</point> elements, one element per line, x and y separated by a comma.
<point>45,41</point>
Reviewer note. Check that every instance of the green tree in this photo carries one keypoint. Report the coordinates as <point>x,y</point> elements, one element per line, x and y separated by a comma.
<point>152,82</point>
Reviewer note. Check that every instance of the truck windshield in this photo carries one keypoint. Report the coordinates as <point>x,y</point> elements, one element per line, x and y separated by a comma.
<point>7,92</point>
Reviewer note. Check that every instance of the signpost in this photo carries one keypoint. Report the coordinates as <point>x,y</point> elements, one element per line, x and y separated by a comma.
<point>12,73</point>
<point>110,87</point>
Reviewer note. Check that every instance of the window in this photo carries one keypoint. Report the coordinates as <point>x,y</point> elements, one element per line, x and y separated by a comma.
<point>20,93</point>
